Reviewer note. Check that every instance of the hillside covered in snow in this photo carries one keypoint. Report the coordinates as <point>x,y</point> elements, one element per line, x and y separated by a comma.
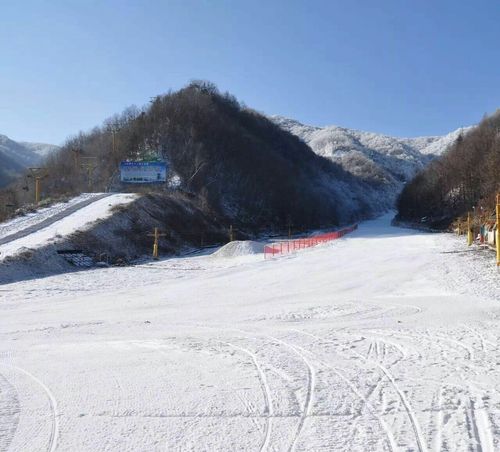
<point>15,157</point>
<point>385,163</point>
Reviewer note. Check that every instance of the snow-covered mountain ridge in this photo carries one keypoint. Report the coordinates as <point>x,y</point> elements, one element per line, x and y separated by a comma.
<point>376,158</point>
<point>42,149</point>
<point>15,157</point>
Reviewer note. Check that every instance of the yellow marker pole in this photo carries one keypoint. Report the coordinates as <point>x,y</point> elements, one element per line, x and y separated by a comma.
<point>37,174</point>
<point>114,130</point>
<point>155,245</point>
<point>156,236</point>
<point>469,231</point>
<point>497,238</point>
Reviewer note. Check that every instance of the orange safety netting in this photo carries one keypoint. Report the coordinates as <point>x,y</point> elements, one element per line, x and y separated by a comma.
<point>289,246</point>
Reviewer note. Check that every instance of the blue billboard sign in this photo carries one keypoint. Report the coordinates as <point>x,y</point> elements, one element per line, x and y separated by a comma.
<point>143,172</point>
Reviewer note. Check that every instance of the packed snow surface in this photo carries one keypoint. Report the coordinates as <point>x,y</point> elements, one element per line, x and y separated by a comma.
<point>239,248</point>
<point>384,340</point>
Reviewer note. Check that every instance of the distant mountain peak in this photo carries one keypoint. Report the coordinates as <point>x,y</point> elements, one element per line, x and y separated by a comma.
<point>378,159</point>
<point>15,157</point>
<point>42,149</point>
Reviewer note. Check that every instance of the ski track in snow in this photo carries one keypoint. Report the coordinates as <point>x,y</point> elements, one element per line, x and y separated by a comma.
<point>9,411</point>
<point>485,436</point>
<point>385,373</point>
<point>334,349</point>
<point>355,390</point>
<point>53,405</point>
<point>306,411</point>
<point>411,414</point>
<point>268,411</point>
<point>54,431</point>
<point>439,421</point>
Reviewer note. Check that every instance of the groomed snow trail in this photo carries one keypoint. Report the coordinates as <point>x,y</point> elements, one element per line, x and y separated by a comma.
<point>386,340</point>
<point>49,224</point>
<point>25,225</point>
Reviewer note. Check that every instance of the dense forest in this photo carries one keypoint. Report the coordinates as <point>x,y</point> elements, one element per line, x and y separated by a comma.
<point>233,162</point>
<point>465,178</point>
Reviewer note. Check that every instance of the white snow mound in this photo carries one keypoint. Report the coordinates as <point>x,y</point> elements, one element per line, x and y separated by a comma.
<point>239,248</point>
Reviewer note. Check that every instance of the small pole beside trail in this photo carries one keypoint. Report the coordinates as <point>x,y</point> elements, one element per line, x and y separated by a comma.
<point>470,239</point>
<point>156,236</point>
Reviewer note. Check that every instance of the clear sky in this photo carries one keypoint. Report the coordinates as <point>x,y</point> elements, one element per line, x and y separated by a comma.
<point>400,67</point>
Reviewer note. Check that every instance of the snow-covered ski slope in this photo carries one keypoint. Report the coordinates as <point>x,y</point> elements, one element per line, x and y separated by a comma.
<point>385,340</point>
<point>48,224</point>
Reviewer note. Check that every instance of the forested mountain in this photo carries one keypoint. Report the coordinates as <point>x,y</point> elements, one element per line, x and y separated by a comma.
<point>385,163</point>
<point>467,176</point>
<point>236,163</point>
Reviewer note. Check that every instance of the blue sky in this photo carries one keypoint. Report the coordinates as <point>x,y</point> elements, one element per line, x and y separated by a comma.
<point>400,67</point>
